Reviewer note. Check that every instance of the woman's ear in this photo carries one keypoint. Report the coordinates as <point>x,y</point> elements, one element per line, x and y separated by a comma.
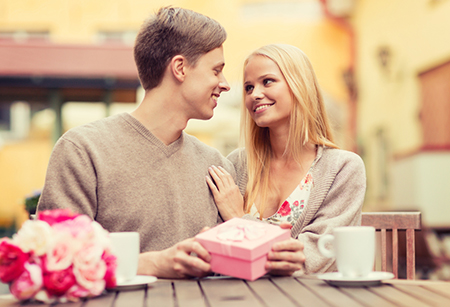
<point>178,67</point>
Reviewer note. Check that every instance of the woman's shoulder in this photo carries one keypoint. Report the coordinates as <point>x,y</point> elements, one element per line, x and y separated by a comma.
<point>336,154</point>
<point>339,159</point>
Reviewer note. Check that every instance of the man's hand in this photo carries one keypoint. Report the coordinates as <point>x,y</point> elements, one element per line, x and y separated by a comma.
<point>176,261</point>
<point>227,196</point>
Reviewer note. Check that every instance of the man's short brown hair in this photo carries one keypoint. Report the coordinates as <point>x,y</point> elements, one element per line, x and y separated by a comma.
<point>170,32</point>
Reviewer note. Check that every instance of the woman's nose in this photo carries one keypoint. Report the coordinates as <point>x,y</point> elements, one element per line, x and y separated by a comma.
<point>257,93</point>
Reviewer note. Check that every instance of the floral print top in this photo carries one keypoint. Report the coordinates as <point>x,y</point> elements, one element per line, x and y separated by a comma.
<point>294,205</point>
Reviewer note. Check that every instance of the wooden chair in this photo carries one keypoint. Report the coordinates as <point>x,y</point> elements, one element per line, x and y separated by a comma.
<point>394,221</point>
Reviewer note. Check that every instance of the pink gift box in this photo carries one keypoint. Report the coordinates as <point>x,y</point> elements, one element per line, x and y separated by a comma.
<point>239,247</point>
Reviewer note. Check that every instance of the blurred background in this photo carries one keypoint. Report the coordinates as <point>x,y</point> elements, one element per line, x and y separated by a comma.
<point>383,65</point>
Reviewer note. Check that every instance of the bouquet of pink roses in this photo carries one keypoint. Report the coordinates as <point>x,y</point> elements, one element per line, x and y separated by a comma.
<point>62,256</point>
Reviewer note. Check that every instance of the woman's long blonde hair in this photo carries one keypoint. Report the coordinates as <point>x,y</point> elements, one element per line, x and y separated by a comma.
<point>308,120</point>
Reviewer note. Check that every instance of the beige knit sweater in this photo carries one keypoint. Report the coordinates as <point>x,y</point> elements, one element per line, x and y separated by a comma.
<point>336,199</point>
<point>118,173</point>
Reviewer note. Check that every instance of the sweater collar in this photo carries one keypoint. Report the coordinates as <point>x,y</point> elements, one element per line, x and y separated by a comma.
<point>141,129</point>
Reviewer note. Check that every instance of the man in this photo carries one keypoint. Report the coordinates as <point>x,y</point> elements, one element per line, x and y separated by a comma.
<point>140,171</point>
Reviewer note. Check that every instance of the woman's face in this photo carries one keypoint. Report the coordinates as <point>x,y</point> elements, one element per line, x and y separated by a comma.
<point>267,94</point>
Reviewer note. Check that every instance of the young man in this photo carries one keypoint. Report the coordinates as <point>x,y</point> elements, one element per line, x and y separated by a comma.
<point>140,171</point>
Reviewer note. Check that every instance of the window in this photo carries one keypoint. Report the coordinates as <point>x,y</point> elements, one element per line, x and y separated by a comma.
<point>116,37</point>
<point>20,36</point>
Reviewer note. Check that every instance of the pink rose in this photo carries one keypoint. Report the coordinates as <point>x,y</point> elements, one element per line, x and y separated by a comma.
<point>58,282</point>
<point>12,261</point>
<point>78,227</point>
<point>89,268</point>
<point>75,292</point>
<point>56,216</point>
<point>111,266</point>
<point>28,284</point>
<point>285,209</point>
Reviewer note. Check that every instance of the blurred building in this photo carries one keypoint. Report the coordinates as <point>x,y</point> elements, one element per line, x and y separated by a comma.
<point>403,74</point>
<point>384,67</point>
<point>67,62</point>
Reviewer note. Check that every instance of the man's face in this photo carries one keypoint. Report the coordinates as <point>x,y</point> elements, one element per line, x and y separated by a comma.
<point>203,84</point>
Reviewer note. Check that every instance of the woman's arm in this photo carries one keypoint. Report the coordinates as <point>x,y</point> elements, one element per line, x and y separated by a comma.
<point>336,204</point>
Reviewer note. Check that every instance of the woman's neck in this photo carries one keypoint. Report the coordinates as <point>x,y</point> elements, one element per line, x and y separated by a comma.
<point>279,141</point>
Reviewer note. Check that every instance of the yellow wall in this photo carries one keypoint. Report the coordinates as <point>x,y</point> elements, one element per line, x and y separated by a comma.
<point>23,166</point>
<point>416,33</point>
<point>78,21</point>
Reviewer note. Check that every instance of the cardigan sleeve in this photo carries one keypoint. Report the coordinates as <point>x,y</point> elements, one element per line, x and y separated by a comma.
<point>339,203</point>
<point>70,180</point>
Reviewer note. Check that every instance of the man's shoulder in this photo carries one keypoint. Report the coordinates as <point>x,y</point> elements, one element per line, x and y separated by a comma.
<point>94,129</point>
<point>199,145</point>
<point>210,154</point>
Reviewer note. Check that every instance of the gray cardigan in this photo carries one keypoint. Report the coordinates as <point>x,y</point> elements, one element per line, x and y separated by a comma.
<point>336,199</point>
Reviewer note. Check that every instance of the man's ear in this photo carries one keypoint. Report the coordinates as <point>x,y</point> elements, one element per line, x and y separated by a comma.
<point>178,66</point>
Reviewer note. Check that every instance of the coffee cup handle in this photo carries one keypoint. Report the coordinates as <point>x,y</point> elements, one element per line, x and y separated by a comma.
<point>325,239</point>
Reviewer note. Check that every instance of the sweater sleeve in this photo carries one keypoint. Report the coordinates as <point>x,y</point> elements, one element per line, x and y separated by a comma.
<point>238,158</point>
<point>70,180</point>
<point>341,206</point>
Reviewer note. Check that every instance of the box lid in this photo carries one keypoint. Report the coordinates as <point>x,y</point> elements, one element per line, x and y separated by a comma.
<point>241,238</point>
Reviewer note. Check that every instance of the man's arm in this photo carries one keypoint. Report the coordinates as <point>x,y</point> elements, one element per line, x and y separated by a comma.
<point>70,180</point>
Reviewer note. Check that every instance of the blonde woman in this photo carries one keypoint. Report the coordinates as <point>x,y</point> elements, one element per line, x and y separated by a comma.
<point>290,171</point>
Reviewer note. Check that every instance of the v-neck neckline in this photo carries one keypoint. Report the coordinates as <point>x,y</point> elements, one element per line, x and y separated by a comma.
<point>310,170</point>
<point>141,129</point>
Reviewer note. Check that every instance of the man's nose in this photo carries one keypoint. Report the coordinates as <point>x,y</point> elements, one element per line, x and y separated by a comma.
<point>223,85</point>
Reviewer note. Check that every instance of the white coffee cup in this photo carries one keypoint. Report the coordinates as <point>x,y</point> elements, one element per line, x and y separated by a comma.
<point>125,245</point>
<point>353,247</point>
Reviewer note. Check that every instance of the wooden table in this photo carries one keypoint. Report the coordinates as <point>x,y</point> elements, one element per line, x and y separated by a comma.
<point>274,291</point>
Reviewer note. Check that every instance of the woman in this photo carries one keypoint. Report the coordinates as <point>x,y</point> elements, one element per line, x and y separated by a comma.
<point>290,170</point>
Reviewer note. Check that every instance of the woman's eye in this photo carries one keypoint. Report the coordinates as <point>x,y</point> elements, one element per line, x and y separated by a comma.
<point>248,88</point>
<point>268,81</point>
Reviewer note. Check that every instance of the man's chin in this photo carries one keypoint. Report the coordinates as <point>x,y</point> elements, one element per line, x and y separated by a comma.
<point>205,116</point>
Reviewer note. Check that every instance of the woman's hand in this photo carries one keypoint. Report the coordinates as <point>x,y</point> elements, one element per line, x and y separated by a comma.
<point>286,256</point>
<point>227,196</point>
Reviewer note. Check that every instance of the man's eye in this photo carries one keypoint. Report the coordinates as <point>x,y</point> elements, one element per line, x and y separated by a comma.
<point>248,88</point>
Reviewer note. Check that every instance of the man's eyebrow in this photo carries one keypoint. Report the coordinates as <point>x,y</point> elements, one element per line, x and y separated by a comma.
<point>220,65</point>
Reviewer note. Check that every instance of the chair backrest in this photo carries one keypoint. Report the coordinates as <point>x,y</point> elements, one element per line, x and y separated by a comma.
<point>383,221</point>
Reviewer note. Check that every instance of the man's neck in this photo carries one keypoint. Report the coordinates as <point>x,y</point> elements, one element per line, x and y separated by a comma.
<point>159,113</point>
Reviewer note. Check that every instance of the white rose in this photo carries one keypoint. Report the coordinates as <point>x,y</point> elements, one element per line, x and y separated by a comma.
<point>34,236</point>
<point>101,236</point>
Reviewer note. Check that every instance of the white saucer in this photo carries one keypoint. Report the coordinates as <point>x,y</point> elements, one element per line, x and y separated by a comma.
<point>139,282</point>
<point>373,279</point>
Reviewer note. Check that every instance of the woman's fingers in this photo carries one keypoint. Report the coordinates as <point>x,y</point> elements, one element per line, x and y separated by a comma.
<point>221,177</point>
<point>216,175</point>
<point>286,257</point>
